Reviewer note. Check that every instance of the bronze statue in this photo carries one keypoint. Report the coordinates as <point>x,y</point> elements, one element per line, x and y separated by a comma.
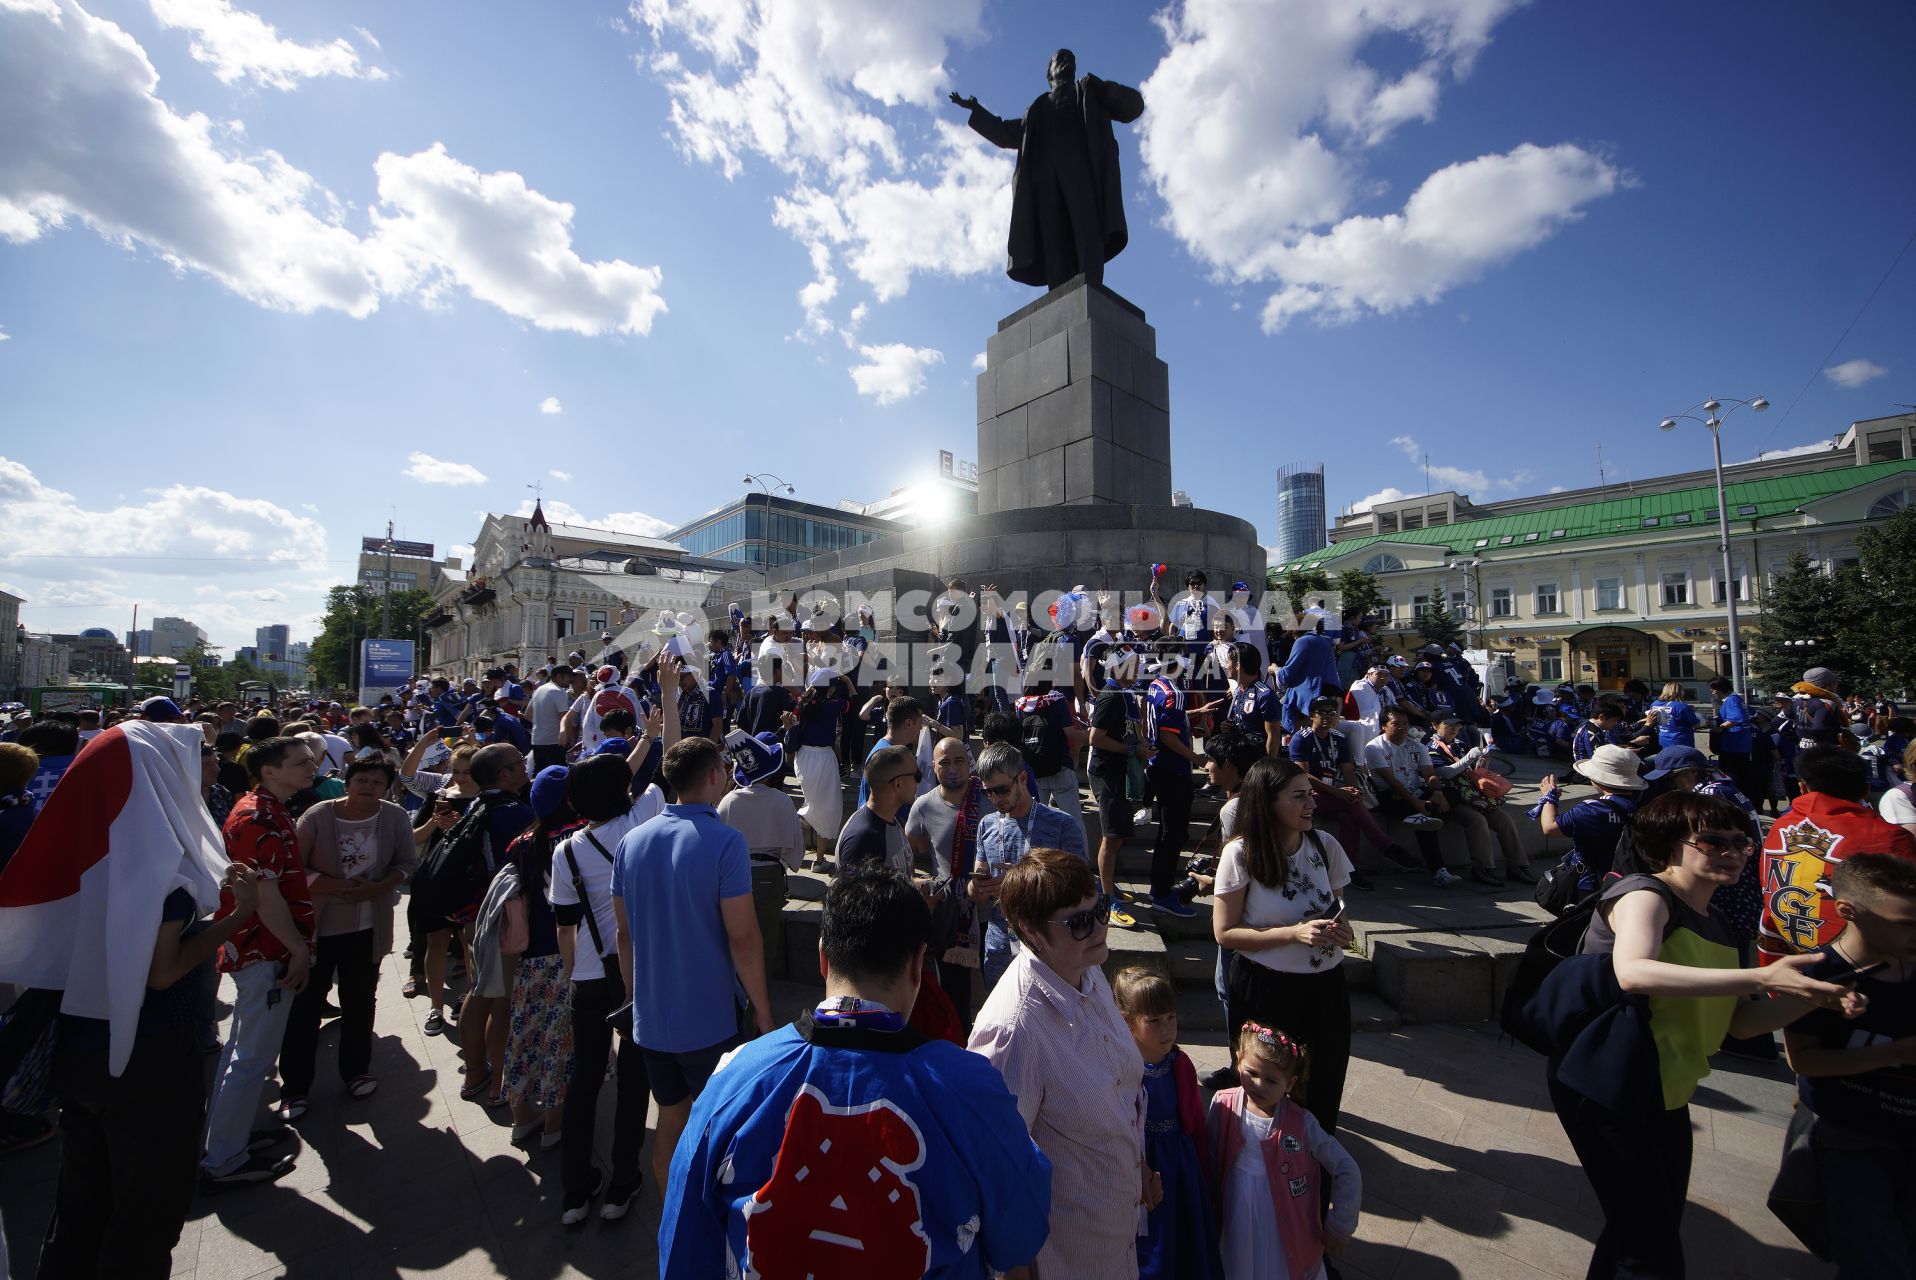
<point>1067,205</point>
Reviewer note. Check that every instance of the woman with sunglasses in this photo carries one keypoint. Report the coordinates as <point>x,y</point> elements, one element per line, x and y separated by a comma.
<point>1052,1028</point>
<point>1673,949</point>
<point>1280,909</point>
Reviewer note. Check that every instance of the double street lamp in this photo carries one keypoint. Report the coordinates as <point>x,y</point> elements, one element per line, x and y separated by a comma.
<point>765,528</point>
<point>1716,413</point>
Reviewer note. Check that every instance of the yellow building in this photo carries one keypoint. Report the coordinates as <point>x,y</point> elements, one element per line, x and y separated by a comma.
<point>1598,586</point>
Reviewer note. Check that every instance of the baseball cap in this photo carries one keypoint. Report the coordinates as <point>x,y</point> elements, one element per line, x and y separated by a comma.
<point>161,709</point>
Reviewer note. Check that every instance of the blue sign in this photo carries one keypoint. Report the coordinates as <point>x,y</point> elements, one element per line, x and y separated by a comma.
<point>385,666</point>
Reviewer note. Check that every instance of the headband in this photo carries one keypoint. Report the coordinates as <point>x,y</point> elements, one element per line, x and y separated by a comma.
<point>1272,1037</point>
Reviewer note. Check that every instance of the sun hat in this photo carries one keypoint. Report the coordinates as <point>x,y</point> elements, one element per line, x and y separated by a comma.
<point>1614,767</point>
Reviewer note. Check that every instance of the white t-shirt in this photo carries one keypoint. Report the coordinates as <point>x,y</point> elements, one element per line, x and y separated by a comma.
<point>595,871</point>
<point>1895,806</point>
<point>337,749</point>
<point>547,709</point>
<point>1407,760</point>
<point>1319,872</point>
<point>358,848</point>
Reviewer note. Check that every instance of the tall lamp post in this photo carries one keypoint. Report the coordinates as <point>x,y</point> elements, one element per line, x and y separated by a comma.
<point>1715,412</point>
<point>765,528</point>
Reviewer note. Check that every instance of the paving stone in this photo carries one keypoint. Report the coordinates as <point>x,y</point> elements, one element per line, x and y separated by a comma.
<point>1433,977</point>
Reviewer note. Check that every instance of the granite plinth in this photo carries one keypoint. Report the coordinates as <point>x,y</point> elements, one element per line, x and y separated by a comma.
<point>1074,406</point>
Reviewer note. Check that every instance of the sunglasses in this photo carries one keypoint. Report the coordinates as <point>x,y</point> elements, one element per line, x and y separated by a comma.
<point>1084,923</point>
<point>916,776</point>
<point>1714,842</point>
<point>1002,790</point>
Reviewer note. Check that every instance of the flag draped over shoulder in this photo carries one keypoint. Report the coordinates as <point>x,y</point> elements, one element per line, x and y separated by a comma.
<point>80,902</point>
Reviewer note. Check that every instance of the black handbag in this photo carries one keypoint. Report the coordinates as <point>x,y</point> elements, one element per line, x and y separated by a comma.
<point>1556,890</point>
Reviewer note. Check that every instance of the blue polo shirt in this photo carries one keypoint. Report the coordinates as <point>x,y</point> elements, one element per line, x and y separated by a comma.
<point>1323,757</point>
<point>1733,719</point>
<point>671,874</point>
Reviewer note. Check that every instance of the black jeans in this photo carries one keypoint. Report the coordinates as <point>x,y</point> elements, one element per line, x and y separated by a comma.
<point>1313,1009</point>
<point>1640,1173</point>
<point>348,957</point>
<point>130,1147</point>
<point>1389,802</point>
<point>1173,788</point>
<point>592,1001</point>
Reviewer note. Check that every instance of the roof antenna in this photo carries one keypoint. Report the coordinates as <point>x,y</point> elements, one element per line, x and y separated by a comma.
<point>1426,475</point>
<point>1599,464</point>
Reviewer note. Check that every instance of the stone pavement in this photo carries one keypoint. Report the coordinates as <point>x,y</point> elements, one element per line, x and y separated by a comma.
<point>1466,1174</point>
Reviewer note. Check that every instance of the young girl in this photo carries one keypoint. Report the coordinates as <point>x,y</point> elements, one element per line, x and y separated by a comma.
<point>1270,1158</point>
<point>1180,1239</point>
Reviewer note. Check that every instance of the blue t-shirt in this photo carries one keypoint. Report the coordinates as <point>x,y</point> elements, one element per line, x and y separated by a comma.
<point>1253,707</point>
<point>672,873</point>
<point>818,726</point>
<point>1323,757</point>
<point>1676,727</point>
<point>954,711</point>
<point>854,1152</point>
<point>883,744</point>
<point>1595,827</point>
<point>1733,720</point>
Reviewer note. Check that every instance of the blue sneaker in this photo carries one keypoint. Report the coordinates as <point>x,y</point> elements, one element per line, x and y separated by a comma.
<point>1173,907</point>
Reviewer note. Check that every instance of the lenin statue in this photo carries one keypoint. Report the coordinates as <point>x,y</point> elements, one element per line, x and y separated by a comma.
<point>1067,207</point>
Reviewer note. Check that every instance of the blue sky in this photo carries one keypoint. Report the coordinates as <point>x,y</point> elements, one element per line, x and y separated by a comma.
<point>270,273</point>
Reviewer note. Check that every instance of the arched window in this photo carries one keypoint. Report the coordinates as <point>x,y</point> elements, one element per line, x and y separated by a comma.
<point>1383,562</point>
<point>1889,504</point>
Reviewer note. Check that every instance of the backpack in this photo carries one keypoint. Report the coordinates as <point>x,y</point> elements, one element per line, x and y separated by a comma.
<point>1043,743</point>
<point>455,872</point>
<point>1554,942</point>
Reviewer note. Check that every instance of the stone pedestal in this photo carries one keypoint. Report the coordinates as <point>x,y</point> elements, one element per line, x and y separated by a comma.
<point>1074,406</point>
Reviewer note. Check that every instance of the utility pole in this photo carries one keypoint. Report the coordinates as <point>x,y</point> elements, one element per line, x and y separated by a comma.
<point>386,593</point>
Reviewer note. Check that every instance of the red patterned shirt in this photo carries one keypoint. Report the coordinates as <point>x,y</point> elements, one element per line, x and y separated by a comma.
<point>259,834</point>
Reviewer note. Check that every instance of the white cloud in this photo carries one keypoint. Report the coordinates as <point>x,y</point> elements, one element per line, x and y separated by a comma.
<point>463,550</point>
<point>443,223</point>
<point>367,36</point>
<point>169,532</point>
<point>978,362</point>
<point>1854,373</point>
<point>893,371</point>
<point>1390,493</point>
<point>240,45</point>
<point>83,104</point>
<point>1256,136</point>
<point>562,476</point>
<point>1442,477</point>
<point>427,469</point>
<point>551,405</point>
<point>559,511</point>
<point>835,94</point>
<point>1795,451</point>
<point>5,336</point>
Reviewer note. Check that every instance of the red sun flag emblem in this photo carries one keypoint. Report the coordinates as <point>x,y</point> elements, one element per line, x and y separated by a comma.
<point>838,1202</point>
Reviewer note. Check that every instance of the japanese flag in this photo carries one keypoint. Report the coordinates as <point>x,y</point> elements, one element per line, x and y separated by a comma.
<point>80,901</point>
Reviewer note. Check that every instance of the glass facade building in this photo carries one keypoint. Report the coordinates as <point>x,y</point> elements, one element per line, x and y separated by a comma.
<point>1300,512</point>
<point>738,531</point>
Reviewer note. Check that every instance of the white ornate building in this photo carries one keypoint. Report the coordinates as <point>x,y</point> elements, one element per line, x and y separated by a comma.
<point>535,591</point>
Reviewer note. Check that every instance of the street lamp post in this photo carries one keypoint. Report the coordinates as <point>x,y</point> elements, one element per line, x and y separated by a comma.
<point>765,527</point>
<point>1714,408</point>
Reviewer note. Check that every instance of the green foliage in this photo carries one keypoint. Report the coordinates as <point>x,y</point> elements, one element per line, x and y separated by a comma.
<point>1439,625</point>
<point>1888,572</point>
<point>1814,619</point>
<point>352,614</point>
<point>1359,590</point>
<point>1299,583</point>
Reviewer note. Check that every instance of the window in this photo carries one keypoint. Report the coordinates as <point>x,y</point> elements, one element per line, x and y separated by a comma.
<point>1482,543</point>
<point>1460,604</point>
<point>1609,593</point>
<point>1549,664</point>
<point>1411,520</point>
<point>1419,606</point>
<point>595,622</point>
<point>1889,504</point>
<point>1501,603</point>
<point>1547,597</point>
<point>1710,515</point>
<point>1885,446</point>
<point>1506,540</point>
<point>1383,562</point>
<point>1558,533</point>
<point>1651,522</point>
<point>1531,537</point>
<point>1716,586</point>
<point>1682,659</point>
<point>561,623</point>
<point>1676,588</point>
<point>1747,509</point>
<point>1386,612</point>
<point>1682,517</point>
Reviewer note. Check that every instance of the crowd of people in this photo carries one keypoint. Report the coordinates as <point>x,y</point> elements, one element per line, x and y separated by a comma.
<point>591,858</point>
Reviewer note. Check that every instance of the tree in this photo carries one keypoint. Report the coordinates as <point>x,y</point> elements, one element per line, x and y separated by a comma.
<point>1803,613</point>
<point>1359,591</point>
<point>352,614</point>
<point>1887,574</point>
<point>1299,583</point>
<point>1438,625</point>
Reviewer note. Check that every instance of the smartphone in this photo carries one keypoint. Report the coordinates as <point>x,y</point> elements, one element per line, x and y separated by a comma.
<point>981,871</point>
<point>620,1017</point>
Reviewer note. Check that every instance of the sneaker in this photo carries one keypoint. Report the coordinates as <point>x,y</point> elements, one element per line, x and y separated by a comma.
<point>266,1139</point>
<point>523,1131</point>
<point>1224,1077</point>
<point>1445,878</point>
<point>1142,818</point>
<point>258,1167</point>
<point>1481,875</point>
<point>1119,915</point>
<point>577,1207</point>
<point>1172,907</point>
<point>1423,821</point>
<point>435,1023</point>
<point>1403,857</point>
<point>618,1201</point>
<point>547,1141</point>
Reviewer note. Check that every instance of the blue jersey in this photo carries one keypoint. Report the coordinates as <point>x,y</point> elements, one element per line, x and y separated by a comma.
<point>1164,714</point>
<point>1253,707</point>
<point>834,1150</point>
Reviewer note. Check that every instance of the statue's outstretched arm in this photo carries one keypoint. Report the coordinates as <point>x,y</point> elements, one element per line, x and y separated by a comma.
<point>1001,133</point>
